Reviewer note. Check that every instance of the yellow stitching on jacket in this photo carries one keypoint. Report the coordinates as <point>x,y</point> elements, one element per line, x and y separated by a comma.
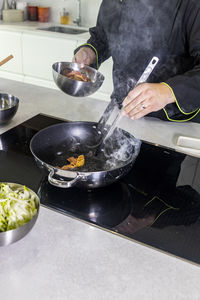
<point>180,120</point>
<point>177,101</point>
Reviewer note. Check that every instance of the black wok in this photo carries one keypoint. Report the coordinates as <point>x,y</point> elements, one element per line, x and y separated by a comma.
<point>53,145</point>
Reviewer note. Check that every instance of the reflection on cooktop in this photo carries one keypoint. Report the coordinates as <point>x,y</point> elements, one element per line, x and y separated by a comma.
<point>107,206</point>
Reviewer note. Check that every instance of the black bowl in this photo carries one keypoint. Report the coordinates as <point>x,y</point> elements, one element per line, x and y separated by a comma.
<point>8,107</point>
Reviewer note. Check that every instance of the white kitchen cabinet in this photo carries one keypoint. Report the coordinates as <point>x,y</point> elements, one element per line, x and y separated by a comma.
<point>40,52</point>
<point>11,44</point>
<point>34,54</point>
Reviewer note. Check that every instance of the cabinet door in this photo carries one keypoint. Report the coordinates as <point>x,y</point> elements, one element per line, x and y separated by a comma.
<point>11,44</point>
<point>40,52</point>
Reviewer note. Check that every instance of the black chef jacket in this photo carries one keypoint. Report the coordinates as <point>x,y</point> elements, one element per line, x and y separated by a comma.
<point>133,31</point>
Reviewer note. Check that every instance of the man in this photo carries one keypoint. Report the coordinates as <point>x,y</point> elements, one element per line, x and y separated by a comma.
<point>132,32</point>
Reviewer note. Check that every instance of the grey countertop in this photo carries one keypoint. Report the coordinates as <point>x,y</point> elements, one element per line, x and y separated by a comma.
<point>34,99</point>
<point>64,258</point>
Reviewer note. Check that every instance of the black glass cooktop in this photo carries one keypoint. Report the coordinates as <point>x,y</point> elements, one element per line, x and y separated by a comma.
<point>157,203</point>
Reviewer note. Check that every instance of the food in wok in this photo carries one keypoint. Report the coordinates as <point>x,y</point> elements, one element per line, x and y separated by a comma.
<point>76,75</point>
<point>74,162</point>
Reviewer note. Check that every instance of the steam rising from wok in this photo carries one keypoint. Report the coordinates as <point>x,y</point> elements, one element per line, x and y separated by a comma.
<point>120,146</point>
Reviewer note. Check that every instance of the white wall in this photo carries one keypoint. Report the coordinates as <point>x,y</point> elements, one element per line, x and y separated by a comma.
<point>89,9</point>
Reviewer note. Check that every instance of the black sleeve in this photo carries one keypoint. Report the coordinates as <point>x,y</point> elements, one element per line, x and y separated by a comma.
<point>186,87</point>
<point>98,39</point>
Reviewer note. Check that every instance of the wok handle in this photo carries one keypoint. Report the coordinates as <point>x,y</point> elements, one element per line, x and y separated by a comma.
<point>62,183</point>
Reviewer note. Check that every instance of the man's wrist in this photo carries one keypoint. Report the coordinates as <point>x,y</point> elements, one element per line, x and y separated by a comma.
<point>93,54</point>
<point>170,97</point>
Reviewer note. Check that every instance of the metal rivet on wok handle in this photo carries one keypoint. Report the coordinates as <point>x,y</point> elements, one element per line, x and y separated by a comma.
<point>5,60</point>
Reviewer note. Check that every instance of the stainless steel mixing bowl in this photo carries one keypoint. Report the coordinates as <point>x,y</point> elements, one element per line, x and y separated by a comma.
<point>74,87</point>
<point>8,107</point>
<point>11,236</point>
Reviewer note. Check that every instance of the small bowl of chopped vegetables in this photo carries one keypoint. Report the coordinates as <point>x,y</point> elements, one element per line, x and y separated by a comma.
<point>19,208</point>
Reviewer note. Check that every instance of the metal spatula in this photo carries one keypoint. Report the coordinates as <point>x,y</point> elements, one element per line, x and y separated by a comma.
<point>142,79</point>
<point>107,131</point>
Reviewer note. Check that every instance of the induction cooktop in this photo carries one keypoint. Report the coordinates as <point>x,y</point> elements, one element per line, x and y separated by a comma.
<point>157,203</point>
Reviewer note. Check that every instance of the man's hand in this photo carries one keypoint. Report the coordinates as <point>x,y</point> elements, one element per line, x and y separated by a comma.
<point>146,98</point>
<point>85,56</point>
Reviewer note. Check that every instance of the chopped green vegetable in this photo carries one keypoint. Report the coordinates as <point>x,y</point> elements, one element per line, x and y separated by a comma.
<point>18,205</point>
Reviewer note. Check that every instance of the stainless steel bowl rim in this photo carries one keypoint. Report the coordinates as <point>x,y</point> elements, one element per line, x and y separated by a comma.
<point>86,66</point>
<point>9,111</point>
<point>34,217</point>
